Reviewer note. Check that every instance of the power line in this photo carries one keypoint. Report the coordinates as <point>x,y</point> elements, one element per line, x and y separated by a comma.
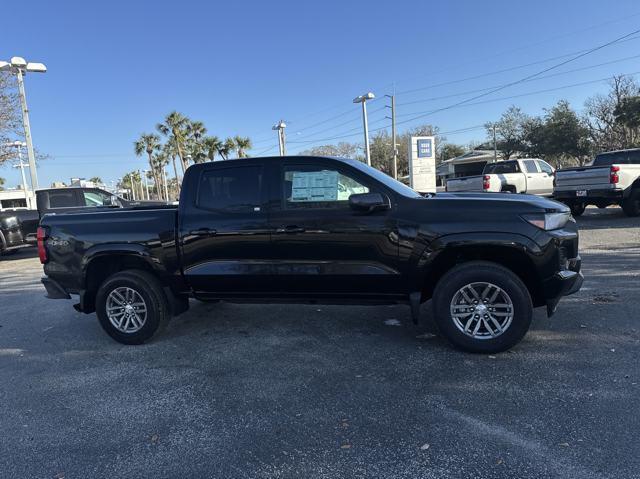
<point>481,103</point>
<point>588,67</point>
<point>524,79</point>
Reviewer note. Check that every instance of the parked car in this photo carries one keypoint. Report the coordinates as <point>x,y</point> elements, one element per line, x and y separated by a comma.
<point>526,175</point>
<point>18,226</point>
<point>313,229</point>
<point>612,179</point>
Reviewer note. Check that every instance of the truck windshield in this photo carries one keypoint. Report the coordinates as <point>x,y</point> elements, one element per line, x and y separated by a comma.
<point>385,179</point>
<point>631,157</point>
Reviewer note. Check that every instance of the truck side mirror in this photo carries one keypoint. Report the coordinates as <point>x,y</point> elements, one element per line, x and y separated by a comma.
<point>369,202</point>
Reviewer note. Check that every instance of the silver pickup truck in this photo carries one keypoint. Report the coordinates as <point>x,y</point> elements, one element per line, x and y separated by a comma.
<point>612,179</point>
<point>525,175</point>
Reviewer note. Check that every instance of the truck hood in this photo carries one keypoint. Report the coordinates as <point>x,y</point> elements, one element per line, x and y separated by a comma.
<point>528,202</point>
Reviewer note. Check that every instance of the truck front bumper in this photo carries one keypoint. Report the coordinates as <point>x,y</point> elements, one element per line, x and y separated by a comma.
<point>563,283</point>
<point>54,290</point>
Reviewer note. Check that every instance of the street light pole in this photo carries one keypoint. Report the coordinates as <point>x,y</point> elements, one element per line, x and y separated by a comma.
<point>281,137</point>
<point>19,66</point>
<point>146,183</point>
<point>27,131</point>
<point>363,99</point>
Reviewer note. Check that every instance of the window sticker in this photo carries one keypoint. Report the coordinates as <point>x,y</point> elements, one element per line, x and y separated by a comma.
<point>314,186</point>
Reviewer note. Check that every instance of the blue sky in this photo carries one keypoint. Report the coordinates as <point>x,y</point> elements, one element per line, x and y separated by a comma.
<point>116,68</point>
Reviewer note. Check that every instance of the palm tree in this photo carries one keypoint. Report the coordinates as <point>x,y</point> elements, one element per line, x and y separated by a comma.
<point>174,127</point>
<point>227,147</point>
<point>148,143</point>
<point>242,145</point>
<point>160,161</point>
<point>212,146</point>
<point>170,150</point>
<point>195,131</point>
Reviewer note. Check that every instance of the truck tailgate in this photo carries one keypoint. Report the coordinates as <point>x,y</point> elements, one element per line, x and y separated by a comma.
<point>465,183</point>
<point>575,178</point>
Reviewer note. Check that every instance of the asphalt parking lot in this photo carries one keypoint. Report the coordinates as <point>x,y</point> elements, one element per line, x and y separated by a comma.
<point>273,391</point>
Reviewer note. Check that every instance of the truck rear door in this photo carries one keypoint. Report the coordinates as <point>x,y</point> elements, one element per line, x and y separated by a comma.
<point>223,229</point>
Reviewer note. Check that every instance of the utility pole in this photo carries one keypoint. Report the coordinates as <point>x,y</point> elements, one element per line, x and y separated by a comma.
<point>280,126</point>
<point>393,134</point>
<point>495,145</point>
<point>363,99</point>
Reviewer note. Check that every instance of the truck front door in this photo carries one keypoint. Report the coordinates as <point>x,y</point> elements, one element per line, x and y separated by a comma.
<point>322,247</point>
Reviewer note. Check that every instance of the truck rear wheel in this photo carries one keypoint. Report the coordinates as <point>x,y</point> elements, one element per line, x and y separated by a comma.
<point>577,209</point>
<point>631,204</point>
<point>132,307</point>
<point>482,307</point>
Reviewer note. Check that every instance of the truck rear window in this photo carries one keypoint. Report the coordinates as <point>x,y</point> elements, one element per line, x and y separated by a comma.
<point>618,158</point>
<point>502,168</point>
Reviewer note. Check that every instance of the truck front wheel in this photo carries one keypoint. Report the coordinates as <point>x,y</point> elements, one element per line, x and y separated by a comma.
<point>482,307</point>
<point>631,204</point>
<point>132,307</point>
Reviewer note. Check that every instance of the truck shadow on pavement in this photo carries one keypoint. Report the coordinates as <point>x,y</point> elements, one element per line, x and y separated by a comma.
<point>20,253</point>
<point>607,218</point>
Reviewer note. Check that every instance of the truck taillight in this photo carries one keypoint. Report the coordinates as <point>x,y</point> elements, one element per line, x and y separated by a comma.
<point>613,175</point>
<point>42,250</point>
<point>486,182</point>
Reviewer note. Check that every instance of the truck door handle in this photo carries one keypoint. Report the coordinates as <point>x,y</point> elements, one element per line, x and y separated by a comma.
<point>202,232</point>
<point>290,229</point>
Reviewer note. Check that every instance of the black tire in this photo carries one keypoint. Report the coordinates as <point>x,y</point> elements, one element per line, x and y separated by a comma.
<point>482,272</point>
<point>631,204</point>
<point>150,290</point>
<point>577,209</point>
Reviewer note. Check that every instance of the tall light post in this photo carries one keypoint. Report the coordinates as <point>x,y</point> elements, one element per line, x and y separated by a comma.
<point>279,127</point>
<point>20,66</point>
<point>363,99</point>
<point>18,145</point>
<point>146,183</point>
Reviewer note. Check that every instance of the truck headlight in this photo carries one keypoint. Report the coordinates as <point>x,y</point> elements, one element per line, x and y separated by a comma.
<point>548,221</point>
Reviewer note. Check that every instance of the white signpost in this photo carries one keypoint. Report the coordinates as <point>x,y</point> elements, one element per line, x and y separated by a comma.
<point>422,163</point>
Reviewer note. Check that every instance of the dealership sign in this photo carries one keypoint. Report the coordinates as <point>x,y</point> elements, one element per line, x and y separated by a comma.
<point>422,163</point>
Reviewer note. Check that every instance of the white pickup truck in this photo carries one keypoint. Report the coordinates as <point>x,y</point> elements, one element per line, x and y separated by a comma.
<point>612,179</point>
<point>525,175</point>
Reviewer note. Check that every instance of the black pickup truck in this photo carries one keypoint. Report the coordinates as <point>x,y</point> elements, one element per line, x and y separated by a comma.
<point>18,226</point>
<point>311,229</point>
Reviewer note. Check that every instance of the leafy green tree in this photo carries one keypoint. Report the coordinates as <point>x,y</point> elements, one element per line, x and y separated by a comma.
<point>149,143</point>
<point>450,150</point>
<point>627,114</point>
<point>96,180</point>
<point>560,137</point>
<point>510,132</point>
<point>175,128</point>
<point>2,182</point>
<point>242,144</point>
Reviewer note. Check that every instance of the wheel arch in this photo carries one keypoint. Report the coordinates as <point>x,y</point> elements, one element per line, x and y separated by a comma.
<point>514,256</point>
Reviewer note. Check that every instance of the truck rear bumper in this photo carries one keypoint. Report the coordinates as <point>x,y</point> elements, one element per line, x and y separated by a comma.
<point>591,194</point>
<point>54,290</point>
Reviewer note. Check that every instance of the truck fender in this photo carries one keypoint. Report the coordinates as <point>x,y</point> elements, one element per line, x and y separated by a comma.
<point>449,242</point>
<point>120,249</point>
